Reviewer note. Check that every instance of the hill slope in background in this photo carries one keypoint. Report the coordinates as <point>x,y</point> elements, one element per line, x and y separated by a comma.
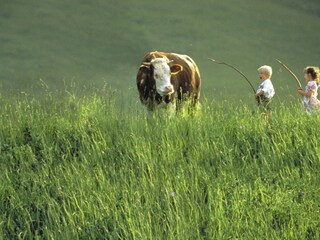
<point>104,41</point>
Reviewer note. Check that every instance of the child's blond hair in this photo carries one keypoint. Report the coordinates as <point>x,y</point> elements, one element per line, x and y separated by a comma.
<point>265,69</point>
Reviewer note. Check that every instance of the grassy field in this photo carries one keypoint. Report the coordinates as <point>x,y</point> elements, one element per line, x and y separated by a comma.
<point>81,159</point>
<point>80,168</point>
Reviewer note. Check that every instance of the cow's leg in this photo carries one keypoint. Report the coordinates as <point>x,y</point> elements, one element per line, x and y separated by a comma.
<point>150,106</point>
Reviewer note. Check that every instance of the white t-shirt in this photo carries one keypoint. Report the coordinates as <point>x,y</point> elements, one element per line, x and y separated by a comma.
<point>267,88</point>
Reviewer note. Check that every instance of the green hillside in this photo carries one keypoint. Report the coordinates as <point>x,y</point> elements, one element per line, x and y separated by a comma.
<point>93,42</point>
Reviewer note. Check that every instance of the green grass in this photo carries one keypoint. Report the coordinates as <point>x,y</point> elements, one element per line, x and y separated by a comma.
<point>81,159</point>
<point>80,167</point>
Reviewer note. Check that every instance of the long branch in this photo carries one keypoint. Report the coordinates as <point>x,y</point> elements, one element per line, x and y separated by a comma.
<point>234,68</point>
<point>288,69</point>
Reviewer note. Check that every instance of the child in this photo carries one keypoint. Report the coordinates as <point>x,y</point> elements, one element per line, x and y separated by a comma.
<point>310,100</point>
<point>265,91</point>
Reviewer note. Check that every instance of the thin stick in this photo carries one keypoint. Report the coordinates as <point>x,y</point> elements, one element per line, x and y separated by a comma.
<point>288,69</point>
<point>229,65</point>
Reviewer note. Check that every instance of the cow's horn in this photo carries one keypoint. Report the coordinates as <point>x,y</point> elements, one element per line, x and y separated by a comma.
<point>146,63</point>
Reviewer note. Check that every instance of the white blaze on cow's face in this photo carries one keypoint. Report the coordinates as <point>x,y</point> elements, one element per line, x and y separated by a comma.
<point>162,75</point>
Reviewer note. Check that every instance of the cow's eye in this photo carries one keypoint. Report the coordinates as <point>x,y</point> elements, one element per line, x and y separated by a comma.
<point>156,75</point>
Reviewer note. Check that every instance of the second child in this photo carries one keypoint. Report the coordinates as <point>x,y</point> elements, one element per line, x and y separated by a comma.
<point>311,103</point>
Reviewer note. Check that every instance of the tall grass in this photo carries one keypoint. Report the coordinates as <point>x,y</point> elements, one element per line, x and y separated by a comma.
<point>80,167</point>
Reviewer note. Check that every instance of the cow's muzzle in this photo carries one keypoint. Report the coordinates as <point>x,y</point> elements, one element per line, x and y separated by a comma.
<point>166,91</point>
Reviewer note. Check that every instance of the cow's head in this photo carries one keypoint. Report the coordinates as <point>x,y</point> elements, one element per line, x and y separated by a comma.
<point>161,70</point>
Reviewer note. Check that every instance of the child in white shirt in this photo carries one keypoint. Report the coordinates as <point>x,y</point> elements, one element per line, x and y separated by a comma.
<point>265,91</point>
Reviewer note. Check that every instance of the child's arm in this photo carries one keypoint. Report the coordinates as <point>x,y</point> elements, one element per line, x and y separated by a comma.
<point>305,94</point>
<point>259,94</point>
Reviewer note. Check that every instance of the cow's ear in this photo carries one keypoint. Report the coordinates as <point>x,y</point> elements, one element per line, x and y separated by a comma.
<point>144,68</point>
<point>176,68</point>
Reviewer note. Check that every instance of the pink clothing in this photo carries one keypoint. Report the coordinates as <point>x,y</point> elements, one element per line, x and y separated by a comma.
<point>311,103</point>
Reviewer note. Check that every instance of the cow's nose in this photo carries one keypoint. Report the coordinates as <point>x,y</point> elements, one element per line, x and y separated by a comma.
<point>169,88</point>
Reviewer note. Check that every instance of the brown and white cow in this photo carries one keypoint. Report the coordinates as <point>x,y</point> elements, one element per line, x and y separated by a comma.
<point>165,77</point>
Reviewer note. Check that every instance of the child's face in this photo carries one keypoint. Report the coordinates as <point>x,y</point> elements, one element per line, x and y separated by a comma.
<point>263,76</point>
<point>307,77</point>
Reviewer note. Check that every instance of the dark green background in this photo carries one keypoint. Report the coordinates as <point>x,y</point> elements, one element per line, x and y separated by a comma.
<point>97,42</point>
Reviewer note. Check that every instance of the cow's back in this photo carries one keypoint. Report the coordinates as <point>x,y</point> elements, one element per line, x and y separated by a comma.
<point>188,81</point>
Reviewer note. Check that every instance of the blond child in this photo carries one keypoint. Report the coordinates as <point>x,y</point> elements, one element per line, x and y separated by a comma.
<point>265,91</point>
<point>310,101</point>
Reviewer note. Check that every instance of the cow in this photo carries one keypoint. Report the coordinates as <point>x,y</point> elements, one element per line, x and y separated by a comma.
<point>165,78</point>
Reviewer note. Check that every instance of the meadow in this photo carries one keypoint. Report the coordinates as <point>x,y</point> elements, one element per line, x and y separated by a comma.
<point>81,167</point>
